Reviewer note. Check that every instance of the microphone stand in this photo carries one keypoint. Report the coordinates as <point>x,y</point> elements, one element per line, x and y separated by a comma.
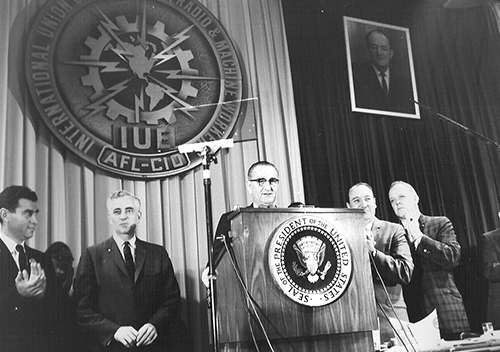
<point>208,155</point>
<point>462,127</point>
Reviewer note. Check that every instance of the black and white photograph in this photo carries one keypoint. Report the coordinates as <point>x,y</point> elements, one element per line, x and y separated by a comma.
<point>249,175</point>
<point>380,66</point>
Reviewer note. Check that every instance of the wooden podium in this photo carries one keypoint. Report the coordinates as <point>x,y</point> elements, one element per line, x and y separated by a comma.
<point>344,325</point>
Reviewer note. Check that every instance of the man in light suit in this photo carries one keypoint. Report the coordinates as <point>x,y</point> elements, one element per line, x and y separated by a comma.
<point>436,253</point>
<point>490,250</point>
<point>391,261</point>
<point>127,294</point>
<point>26,278</point>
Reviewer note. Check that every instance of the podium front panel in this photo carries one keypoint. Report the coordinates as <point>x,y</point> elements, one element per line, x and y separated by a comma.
<point>282,317</point>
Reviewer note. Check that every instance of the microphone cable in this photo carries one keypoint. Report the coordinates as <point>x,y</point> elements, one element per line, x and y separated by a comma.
<point>393,310</point>
<point>256,308</point>
<point>251,310</point>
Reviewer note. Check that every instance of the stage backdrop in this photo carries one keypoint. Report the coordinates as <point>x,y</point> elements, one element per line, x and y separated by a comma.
<point>72,192</point>
<point>457,72</point>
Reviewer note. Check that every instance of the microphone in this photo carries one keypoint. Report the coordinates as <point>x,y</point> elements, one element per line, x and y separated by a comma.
<point>462,127</point>
<point>204,146</point>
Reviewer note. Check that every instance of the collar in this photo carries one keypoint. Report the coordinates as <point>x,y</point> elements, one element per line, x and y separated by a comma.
<point>119,242</point>
<point>264,206</point>
<point>370,225</point>
<point>386,72</point>
<point>9,242</point>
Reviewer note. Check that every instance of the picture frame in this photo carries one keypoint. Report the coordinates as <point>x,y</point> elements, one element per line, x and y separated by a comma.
<point>375,50</point>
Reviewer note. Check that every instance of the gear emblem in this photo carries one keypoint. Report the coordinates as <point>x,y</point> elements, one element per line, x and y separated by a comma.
<point>137,53</point>
<point>122,83</point>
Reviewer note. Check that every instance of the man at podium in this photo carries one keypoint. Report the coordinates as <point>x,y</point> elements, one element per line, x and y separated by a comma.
<point>262,184</point>
<point>390,256</point>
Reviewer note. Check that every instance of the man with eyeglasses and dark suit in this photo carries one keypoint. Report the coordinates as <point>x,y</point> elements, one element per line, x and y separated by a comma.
<point>262,184</point>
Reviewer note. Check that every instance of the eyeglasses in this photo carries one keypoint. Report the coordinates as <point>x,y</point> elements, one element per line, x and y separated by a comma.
<point>262,181</point>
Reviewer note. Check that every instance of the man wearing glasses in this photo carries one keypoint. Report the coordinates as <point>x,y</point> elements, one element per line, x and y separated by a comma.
<point>262,184</point>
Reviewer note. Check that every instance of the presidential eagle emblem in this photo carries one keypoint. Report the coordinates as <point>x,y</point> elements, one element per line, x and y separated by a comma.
<point>311,254</point>
<point>310,260</point>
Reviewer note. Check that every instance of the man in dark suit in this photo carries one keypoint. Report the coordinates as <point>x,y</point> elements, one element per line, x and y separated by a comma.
<point>25,276</point>
<point>262,184</point>
<point>392,265</point>
<point>490,251</point>
<point>378,84</point>
<point>436,253</point>
<point>127,294</point>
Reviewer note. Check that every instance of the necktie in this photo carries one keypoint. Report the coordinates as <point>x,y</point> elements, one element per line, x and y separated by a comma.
<point>384,83</point>
<point>129,261</point>
<point>23,261</point>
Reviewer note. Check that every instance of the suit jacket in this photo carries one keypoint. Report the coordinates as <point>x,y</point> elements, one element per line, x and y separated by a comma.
<point>434,286</point>
<point>394,263</point>
<point>25,323</point>
<point>369,93</point>
<point>222,232</point>
<point>108,297</point>
<point>490,248</point>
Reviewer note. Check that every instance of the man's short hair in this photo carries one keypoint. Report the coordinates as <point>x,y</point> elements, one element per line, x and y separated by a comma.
<point>56,248</point>
<point>356,185</point>
<point>403,183</point>
<point>121,193</point>
<point>260,163</point>
<point>9,198</point>
<point>380,31</point>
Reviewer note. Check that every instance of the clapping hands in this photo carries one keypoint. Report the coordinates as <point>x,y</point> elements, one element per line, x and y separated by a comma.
<point>32,285</point>
<point>412,226</point>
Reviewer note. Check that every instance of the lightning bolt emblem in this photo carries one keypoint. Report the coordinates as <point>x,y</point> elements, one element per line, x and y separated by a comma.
<point>98,106</point>
<point>108,66</point>
<point>179,38</point>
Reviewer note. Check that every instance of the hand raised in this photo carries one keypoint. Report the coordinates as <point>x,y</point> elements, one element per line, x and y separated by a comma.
<point>32,285</point>
<point>370,241</point>
<point>412,226</point>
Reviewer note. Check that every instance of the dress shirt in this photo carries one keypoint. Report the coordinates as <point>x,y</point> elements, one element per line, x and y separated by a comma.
<point>11,245</point>
<point>120,242</point>
<point>387,77</point>
<point>368,231</point>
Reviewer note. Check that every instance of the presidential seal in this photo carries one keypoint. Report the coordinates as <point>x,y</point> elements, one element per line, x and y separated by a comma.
<point>122,83</point>
<point>310,260</point>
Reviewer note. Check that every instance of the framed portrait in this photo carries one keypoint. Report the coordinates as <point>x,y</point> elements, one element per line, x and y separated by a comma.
<point>380,67</point>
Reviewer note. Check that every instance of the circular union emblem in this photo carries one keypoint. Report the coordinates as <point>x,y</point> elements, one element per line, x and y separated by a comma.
<point>310,261</point>
<point>123,82</point>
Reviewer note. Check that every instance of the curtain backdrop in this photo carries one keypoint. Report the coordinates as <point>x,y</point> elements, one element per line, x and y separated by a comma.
<point>457,70</point>
<point>72,193</point>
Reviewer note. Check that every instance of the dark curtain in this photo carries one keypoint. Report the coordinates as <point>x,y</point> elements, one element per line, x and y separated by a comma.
<point>457,67</point>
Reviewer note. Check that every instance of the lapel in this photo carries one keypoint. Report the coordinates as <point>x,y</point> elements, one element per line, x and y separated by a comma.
<point>422,221</point>
<point>140,257</point>
<point>30,253</point>
<point>114,253</point>
<point>7,258</point>
<point>376,229</point>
